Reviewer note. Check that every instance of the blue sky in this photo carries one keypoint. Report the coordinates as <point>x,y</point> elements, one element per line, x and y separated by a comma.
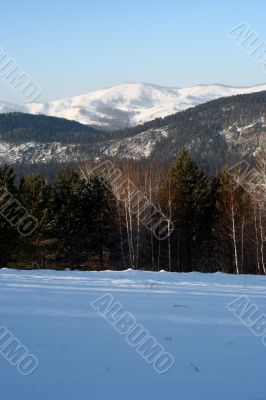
<point>72,47</point>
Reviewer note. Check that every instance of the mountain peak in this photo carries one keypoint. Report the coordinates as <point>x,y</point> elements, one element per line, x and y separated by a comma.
<point>129,104</point>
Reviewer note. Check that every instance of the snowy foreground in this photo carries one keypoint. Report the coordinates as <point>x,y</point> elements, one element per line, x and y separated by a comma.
<point>82,356</point>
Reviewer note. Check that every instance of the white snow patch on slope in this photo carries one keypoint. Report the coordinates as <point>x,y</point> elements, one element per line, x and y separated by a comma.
<point>35,152</point>
<point>138,146</point>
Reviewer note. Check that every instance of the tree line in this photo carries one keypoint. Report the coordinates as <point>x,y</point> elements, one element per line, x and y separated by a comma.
<point>218,224</point>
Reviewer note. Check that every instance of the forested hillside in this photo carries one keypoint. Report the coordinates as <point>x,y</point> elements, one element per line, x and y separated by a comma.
<point>215,133</point>
<point>20,127</point>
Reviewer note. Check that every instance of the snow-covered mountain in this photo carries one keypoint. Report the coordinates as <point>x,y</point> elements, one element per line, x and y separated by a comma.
<point>216,133</point>
<point>129,104</point>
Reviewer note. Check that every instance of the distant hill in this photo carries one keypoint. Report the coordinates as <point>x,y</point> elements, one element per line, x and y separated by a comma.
<point>19,127</point>
<point>215,133</point>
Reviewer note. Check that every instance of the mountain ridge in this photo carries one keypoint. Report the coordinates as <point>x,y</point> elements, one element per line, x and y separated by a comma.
<point>216,133</point>
<point>129,104</point>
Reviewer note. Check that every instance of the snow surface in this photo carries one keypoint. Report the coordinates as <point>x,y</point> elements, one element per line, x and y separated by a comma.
<point>36,152</point>
<point>128,104</point>
<point>135,147</point>
<point>82,357</point>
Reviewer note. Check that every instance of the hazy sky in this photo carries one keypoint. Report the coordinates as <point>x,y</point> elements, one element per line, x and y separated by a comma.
<point>72,47</point>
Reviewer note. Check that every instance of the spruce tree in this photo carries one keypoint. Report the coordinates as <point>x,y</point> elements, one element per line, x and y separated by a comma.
<point>8,234</point>
<point>192,214</point>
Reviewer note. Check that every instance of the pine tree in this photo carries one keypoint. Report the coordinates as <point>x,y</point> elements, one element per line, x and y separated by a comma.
<point>192,210</point>
<point>34,194</point>
<point>8,234</point>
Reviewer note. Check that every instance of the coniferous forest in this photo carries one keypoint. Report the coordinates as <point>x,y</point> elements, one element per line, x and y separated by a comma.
<point>81,224</point>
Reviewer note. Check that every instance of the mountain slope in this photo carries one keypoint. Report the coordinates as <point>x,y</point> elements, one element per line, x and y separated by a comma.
<point>218,132</point>
<point>20,127</point>
<point>128,105</point>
